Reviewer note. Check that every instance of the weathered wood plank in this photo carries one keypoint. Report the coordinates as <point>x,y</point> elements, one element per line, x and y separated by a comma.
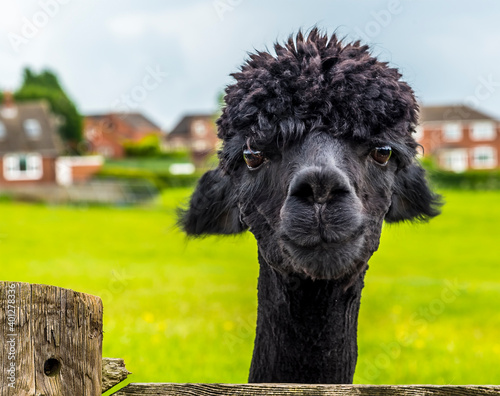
<point>93,344</point>
<point>69,317</point>
<point>113,372</point>
<point>46,313</point>
<point>52,339</point>
<point>16,340</point>
<point>168,389</point>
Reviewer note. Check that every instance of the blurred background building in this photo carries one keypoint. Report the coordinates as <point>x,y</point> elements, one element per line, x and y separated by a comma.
<point>459,137</point>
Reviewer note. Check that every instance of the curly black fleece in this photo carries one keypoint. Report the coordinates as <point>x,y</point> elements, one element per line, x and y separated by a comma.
<point>316,82</point>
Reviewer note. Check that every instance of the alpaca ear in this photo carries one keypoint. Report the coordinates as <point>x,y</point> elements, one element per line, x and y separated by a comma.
<point>213,208</point>
<point>412,199</point>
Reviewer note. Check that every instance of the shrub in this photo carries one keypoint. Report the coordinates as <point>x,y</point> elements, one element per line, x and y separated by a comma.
<point>161,179</point>
<point>470,180</point>
<point>148,146</point>
<point>176,156</point>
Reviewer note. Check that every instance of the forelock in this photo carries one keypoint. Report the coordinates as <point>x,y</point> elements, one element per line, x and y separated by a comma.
<point>316,82</point>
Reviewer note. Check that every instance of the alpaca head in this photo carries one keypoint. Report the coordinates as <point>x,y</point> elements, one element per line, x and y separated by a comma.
<point>317,153</point>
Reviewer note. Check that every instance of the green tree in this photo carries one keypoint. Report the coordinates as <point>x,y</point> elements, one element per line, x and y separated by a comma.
<point>45,85</point>
<point>220,105</point>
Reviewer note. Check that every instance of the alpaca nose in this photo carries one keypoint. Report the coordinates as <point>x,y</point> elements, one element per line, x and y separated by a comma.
<point>319,185</point>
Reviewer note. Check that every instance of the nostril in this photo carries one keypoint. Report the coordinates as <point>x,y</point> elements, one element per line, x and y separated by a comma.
<point>303,191</point>
<point>319,185</point>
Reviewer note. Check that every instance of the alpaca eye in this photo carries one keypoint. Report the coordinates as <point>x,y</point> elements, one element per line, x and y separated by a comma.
<point>253,159</point>
<point>381,155</point>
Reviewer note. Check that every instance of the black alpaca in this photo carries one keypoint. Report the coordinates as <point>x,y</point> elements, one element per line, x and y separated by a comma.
<point>318,152</point>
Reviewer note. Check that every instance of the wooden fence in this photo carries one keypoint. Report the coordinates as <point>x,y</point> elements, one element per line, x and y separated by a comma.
<point>52,346</point>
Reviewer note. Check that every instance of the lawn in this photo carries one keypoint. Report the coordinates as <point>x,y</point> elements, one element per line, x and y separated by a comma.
<point>184,311</point>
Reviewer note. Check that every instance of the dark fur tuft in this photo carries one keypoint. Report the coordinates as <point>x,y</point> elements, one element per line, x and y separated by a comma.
<point>316,81</point>
<point>412,200</point>
<point>212,208</point>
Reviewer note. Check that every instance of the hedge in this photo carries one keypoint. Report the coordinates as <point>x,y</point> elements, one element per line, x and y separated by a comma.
<point>160,180</point>
<point>470,180</point>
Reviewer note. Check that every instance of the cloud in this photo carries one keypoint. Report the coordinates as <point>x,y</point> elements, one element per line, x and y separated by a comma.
<point>185,24</point>
<point>10,16</point>
<point>194,32</point>
<point>128,26</point>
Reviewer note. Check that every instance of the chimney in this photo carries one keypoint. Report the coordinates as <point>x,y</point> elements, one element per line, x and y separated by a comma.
<point>8,109</point>
<point>8,99</point>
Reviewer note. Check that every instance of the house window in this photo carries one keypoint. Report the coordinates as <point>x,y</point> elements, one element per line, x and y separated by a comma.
<point>91,133</point>
<point>484,157</point>
<point>3,131</point>
<point>199,128</point>
<point>454,160</point>
<point>106,151</point>
<point>22,166</point>
<point>452,132</point>
<point>483,131</point>
<point>32,128</point>
<point>8,112</point>
<point>419,133</point>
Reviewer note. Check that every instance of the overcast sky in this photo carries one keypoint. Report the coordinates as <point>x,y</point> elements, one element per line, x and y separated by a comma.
<point>167,58</point>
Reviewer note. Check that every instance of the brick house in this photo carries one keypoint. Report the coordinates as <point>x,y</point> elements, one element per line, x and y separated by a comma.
<point>106,133</point>
<point>29,142</point>
<point>196,134</point>
<point>30,148</point>
<point>459,137</point>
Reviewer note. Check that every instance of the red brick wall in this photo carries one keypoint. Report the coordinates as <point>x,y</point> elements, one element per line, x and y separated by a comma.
<point>432,140</point>
<point>107,135</point>
<point>48,173</point>
<point>102,138</point>
<point>210,138</point>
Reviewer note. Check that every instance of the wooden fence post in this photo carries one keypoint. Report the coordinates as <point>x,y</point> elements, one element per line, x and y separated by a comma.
<point>51,341</point>
<point>51,345</point>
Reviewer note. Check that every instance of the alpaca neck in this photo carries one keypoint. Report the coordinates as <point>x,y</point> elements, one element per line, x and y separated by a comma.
<point>306,330</point>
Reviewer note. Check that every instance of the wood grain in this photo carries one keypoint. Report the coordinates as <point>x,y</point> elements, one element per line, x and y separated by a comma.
<point>16,338</point>
<point>56,340</point>
<point>113,372</point>
<point>52,341</point>
<point>309,390</point>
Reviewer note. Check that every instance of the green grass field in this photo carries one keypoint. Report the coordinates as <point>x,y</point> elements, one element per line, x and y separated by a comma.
<point>181,311</point>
